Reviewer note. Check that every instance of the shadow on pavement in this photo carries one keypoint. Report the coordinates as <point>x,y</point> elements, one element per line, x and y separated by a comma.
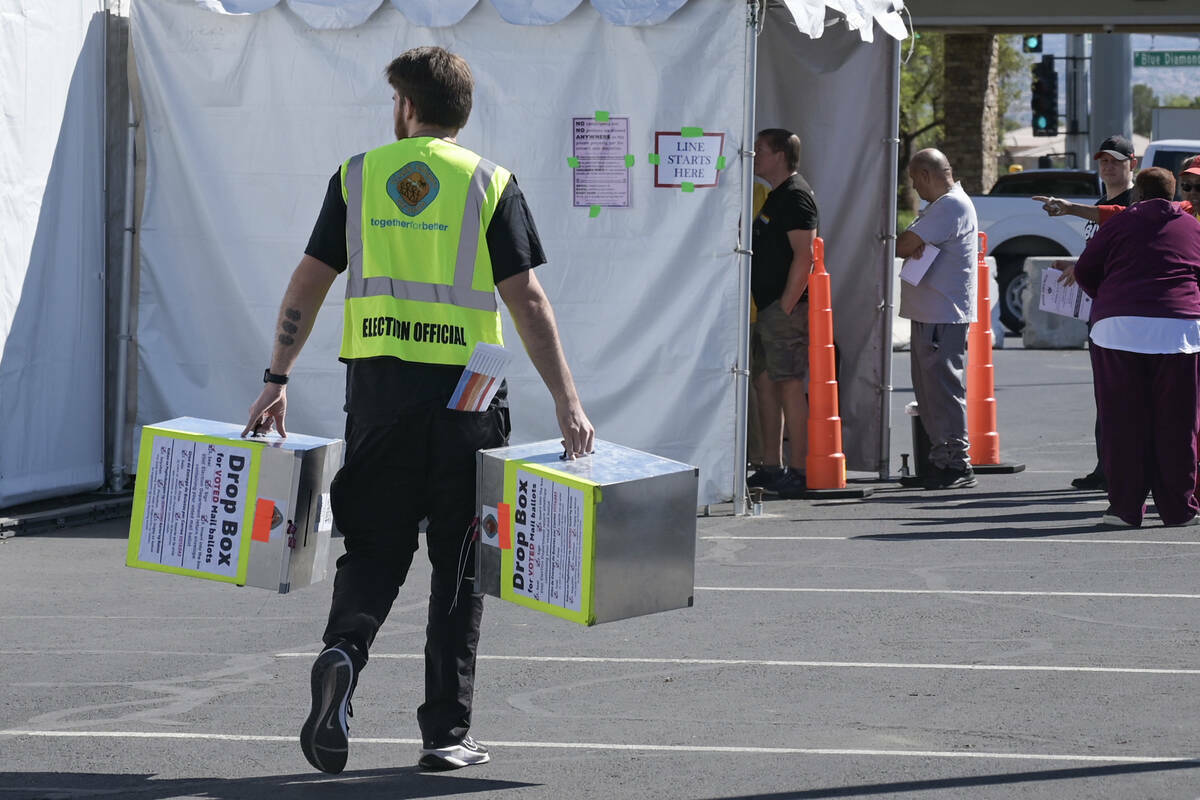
<point>1091,514</point>
<point>989,533</point>
<point>979,499</point>
<point>996,779</point>
<point>408,782</point>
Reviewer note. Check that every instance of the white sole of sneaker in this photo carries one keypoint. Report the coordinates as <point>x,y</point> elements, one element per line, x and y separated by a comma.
<point>324,738</point>
<point>445,758</point>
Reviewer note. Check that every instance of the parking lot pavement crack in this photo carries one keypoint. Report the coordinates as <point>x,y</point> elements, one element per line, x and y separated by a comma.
<point>531,702</point>
<point>171,698</point>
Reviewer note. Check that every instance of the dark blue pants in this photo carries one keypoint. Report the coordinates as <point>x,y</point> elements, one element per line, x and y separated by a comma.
<point>1148,412</point>
<point>421,464</point>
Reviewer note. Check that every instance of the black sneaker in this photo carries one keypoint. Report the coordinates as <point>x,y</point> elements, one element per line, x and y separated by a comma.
<point>764,477</point>
<point>325,737</point>
<point>466,753</point>
<point>793,485</point>
<point>1092,482</point>
<point>946,478</point>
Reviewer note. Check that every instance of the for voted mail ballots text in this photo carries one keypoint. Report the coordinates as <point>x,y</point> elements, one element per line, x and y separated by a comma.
<point>607,536</point>
<point>252,512</point>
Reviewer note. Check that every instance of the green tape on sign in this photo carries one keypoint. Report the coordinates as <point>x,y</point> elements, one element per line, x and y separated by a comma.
<point>572,162</point>
<point>594,211</point>
<point>720,162</point>
<point>629,160</point>
<point>601,116</point>
<point>688,187</point>
<point>654,158</point>
<point>691,133</point>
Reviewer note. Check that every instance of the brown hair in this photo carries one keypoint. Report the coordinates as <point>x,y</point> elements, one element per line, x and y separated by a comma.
<point>1155,183</point>
<point>437,82</point>
<point>783,141</point>
<point>1189,162</point>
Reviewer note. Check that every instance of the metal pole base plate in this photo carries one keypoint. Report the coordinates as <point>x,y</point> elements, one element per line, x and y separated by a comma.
<point>856,492</point>
<point>1003,468</point>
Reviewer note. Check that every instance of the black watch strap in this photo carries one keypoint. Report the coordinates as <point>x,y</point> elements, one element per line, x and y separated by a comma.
<point>271,377</point>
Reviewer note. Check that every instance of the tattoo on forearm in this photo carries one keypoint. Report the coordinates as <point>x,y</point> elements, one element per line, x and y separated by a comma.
<point>289,328</point>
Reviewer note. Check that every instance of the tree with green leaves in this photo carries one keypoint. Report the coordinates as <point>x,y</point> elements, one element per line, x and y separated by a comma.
<point>921,116</point>
<point>922,88</point>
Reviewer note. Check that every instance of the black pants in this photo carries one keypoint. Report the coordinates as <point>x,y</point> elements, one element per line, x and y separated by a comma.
<point>420,465</point>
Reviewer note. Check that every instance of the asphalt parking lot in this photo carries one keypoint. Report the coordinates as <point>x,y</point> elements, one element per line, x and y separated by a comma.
<point>984,643</point>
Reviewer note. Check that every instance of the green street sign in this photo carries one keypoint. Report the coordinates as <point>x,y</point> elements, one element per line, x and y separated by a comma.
<point>1166,58</point>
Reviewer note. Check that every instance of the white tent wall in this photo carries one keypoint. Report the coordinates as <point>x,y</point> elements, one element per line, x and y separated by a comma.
<point>248,116</point>
<point>52,249</point>
<point>836,92</point>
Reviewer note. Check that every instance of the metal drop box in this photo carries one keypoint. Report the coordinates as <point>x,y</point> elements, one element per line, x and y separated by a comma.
<point>252,512</point>
<point>608,536</point>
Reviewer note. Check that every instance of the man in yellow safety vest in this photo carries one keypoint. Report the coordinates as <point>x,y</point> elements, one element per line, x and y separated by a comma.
<point>427,232</point>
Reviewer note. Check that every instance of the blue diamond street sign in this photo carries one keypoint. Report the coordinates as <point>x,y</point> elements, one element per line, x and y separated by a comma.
<point>1166,58</point>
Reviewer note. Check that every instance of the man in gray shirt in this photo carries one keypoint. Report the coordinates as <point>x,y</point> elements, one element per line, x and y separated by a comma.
<point>941,306</point>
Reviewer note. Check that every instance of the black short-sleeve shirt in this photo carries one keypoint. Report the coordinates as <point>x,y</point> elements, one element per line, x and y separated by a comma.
<point>789,207</point>
<point>1125,198</point>
<point>379,388</point>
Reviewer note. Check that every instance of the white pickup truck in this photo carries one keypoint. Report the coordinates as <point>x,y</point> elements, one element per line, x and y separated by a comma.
<point>1017,228</point>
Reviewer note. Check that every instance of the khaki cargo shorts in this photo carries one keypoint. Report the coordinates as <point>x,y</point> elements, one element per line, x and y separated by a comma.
<point>785,341</point>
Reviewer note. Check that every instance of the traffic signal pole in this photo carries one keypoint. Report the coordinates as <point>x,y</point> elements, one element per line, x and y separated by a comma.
<point>1077,103</point>
<point>1112,77</point>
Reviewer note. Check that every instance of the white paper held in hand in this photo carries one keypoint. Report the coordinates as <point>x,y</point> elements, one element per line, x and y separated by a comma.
<point>1066,301</point>
<point>915,268</point>
<point>480,378</point>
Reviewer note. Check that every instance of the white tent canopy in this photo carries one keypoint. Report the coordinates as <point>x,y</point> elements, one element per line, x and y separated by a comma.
<point>51,249</point>
<point>808,15</point>
<point>247,111</point>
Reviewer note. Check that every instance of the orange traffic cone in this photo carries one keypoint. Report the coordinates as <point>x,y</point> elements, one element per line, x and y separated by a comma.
<point>825,462</point>
<point>981,380</point>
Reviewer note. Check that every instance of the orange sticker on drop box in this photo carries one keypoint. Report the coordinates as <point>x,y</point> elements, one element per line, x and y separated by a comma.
<point>505,514</point>
<point>264,510</point>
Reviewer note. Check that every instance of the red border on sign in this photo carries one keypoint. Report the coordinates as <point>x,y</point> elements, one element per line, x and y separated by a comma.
<point>658,134</point>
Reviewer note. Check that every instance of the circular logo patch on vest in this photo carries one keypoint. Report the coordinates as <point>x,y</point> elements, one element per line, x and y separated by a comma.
<point>412,187</point>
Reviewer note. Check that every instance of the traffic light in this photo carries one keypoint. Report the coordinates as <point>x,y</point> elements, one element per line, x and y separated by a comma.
<point>1045,98</point>
<point>1031,43</point>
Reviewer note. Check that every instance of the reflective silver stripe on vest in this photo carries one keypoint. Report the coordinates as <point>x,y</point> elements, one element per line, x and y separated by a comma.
<point>460,294</point>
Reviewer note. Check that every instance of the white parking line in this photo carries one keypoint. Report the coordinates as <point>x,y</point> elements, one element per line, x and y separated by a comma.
<point>983,592</point>
<point>941,541</point>
<point>151,617</point>
<point>737,662</point>
<point>648,748</point>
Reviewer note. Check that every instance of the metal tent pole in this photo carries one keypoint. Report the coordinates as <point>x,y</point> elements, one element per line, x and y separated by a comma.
<point>889,290</point>
<point>119,472</point>
<point>741,369</point>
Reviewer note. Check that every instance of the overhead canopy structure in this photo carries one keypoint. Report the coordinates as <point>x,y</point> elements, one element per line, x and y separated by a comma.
<point>1062,16</point>
<point>248,106</point>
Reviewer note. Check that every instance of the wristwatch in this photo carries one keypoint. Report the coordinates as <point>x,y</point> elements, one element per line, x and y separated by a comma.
<point>271,377</point>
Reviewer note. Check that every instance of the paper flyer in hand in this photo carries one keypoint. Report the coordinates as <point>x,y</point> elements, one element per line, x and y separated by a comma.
<point>1066,301</point>
<point>481,378</point>
<point>915,268</point>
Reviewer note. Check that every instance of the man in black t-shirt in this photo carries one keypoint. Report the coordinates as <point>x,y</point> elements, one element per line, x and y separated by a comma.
<point>784,231</point>
<point>1117,165</point>
<point>408,456</point>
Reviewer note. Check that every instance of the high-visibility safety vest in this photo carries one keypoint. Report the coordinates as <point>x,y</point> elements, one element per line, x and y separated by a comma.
<point>420,282</point>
